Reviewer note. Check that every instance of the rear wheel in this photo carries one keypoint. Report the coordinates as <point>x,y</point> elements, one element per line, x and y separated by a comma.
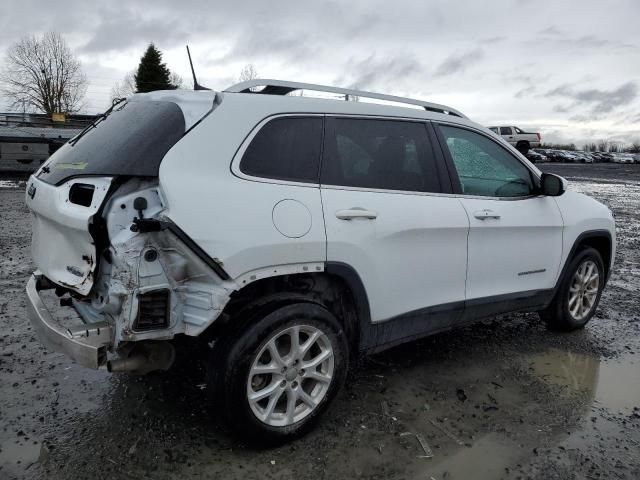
<point>280,375</point>
<point>579,294</point>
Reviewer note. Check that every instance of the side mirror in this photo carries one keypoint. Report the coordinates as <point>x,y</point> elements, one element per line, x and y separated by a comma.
<point>552,185</point>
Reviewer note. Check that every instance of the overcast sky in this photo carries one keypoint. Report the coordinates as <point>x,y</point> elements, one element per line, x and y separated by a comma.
<point>570,69</point>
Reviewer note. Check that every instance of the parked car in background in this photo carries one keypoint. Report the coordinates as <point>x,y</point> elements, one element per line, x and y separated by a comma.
<point>551,154</point>
<point>536,157</point>
<point>623,158</point>
<point>520,139</point>
<point>583,157</point>
<point>603,157</point>
<point>563,156</point>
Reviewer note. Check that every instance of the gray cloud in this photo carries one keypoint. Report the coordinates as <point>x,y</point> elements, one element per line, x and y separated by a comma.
<point>269,40</point>
<point>493,40</point>
<point>600,101</point>
<point>122,33</point>
<point>483,59</point>
<point>525,92</point>
<point>375,72</point>
<point>459,62</point>
<point>553,38</point>
<point>552,30</point>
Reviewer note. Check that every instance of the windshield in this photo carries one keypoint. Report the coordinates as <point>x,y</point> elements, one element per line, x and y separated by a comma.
<point>131,140</point>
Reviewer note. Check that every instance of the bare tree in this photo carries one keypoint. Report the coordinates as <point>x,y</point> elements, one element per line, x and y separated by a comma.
<point>125,87</point>
<point>42,72</point>
<point>248,72</point>
<point>635,147</point>
<point>603,146</point>
<point>176,80</point>
<point>591,147</point>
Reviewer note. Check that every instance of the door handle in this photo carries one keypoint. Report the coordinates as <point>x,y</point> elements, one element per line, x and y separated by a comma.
<point>356,212</point>
<point>484,214</point>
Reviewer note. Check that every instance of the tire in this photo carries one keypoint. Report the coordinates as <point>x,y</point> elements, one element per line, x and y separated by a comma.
<point>523,148</point>
<point>570,310</point>
<point>298,397</point>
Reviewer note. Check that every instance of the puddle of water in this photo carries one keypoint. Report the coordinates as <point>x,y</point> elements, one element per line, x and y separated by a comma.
<point>574,371</point>
<point>486,459</point>
<point>619,385</point>
<point>15,457</point>
<point>612,384</point>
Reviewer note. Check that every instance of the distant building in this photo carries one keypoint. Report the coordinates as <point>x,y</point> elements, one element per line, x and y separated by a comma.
<point>27,140</point>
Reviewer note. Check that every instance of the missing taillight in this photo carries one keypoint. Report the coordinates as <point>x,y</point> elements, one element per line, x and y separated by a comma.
<point>81,194</point>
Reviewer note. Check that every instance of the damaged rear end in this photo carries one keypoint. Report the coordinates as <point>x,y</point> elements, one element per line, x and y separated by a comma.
<point>102,240</point>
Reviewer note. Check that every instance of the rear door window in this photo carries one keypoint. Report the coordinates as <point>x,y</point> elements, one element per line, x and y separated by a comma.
<point>286,148</point>
<point>380,154</point>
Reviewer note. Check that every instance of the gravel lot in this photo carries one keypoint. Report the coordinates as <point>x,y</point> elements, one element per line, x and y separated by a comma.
<point>502,399</point>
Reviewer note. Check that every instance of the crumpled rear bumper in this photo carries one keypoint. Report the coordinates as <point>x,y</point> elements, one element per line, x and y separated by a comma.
<point>86,344</point>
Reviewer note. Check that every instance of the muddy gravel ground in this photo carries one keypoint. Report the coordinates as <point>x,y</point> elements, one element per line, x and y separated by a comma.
<point>501,399</point>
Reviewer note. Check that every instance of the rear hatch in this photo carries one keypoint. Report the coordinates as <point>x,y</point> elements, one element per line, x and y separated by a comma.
<point>66,195</point>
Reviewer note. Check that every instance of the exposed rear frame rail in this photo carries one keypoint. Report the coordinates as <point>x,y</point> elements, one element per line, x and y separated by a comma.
<point>283,87</point>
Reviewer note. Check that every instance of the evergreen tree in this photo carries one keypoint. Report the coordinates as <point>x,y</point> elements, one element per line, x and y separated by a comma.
<point>152,74</point>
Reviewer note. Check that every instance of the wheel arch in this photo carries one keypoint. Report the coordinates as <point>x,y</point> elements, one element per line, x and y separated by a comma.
<point>600,240</point>
<point>338,288</point>
<point>523,146</point>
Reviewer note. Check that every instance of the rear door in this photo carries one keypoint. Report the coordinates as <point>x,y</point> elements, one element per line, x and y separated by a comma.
<point>515,235</point>
<point>385,217</point>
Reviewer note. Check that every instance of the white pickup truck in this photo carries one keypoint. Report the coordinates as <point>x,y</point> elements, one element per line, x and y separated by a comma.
<point>523,141</point>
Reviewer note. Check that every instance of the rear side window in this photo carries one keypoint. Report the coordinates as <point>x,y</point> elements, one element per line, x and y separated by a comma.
<point>286,149</point>
<point>383,154</point>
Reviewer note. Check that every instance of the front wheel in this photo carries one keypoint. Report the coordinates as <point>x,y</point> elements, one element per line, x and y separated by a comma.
<point>281,374</point>
<point>579,294</point>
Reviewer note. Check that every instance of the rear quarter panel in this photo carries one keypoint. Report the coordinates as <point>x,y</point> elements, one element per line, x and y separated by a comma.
<point>231,218</point>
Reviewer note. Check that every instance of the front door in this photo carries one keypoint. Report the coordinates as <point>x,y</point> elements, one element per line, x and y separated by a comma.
<point>385,219</point>
<point>515,235</point>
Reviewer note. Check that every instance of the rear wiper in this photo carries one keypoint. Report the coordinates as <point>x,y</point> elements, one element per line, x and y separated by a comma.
<point>116,102</point>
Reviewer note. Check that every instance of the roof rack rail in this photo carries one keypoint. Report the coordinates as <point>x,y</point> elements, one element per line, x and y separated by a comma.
<point>282,87</point>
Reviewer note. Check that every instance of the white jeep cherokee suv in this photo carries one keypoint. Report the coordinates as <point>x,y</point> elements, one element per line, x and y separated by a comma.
<point>296,233</point>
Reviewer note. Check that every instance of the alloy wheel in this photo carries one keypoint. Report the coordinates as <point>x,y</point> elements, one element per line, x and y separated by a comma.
<point>583,289</point>
<point>290,375</point>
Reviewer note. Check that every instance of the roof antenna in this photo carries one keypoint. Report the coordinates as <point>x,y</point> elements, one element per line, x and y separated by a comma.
<point>196,85</point>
